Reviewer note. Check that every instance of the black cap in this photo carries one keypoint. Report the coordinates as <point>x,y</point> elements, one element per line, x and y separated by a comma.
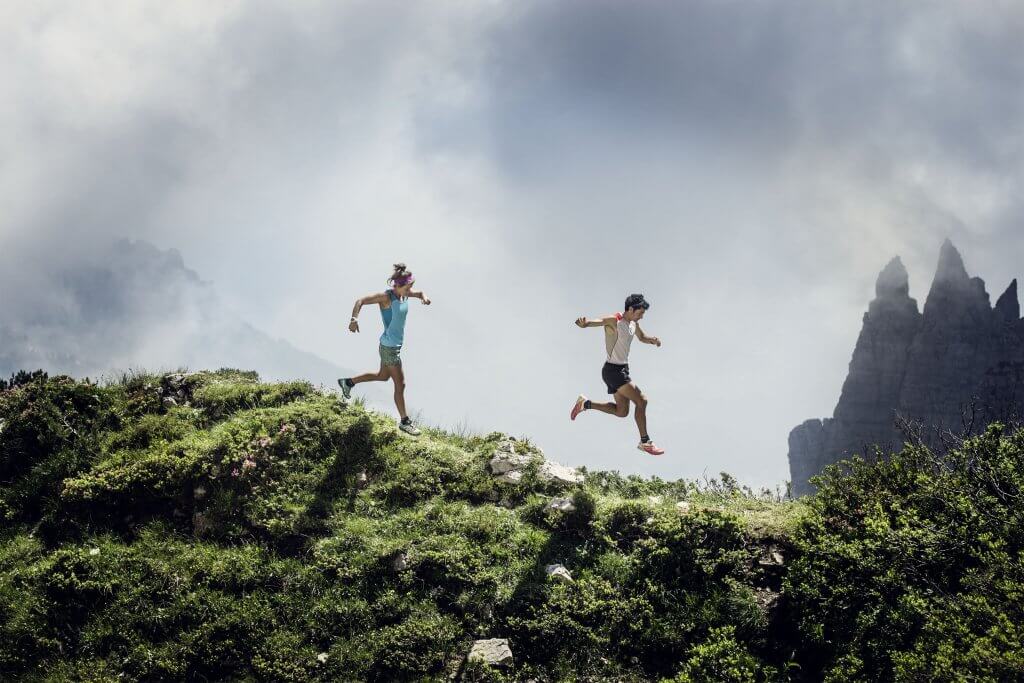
<point>636,301</point>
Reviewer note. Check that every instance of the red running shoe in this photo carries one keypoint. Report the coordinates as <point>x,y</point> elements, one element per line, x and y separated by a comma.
<point>650,448</point>
<point>578,408</point>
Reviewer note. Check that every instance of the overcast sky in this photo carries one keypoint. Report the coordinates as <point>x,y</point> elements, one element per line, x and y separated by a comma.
<point>749,166</point>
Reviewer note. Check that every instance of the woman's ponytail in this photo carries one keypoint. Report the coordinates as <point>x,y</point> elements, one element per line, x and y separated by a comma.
<point>401,275</point>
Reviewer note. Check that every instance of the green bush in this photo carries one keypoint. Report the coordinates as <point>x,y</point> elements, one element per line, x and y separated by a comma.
<point>722,659</point>
<point>252,531</point>
<point>912,564</point>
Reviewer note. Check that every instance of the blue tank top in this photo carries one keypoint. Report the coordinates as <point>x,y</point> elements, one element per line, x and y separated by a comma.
<point>394,321</point>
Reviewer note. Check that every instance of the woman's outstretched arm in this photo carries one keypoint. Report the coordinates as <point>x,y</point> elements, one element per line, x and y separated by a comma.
<point>420,295</point>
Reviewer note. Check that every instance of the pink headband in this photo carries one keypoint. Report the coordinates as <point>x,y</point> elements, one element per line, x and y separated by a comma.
<point>403,280</point>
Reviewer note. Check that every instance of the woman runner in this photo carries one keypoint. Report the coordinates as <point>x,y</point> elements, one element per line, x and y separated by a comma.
<point>619,330</point>
<point>394,305</point>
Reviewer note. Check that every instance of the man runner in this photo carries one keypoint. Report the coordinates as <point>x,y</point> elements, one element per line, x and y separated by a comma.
<point>619,330</point>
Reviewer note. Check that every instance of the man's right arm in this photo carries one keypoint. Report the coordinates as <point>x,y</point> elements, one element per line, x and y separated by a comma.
<point>595,322</point>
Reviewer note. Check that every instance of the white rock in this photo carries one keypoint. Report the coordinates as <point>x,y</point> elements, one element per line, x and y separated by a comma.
<point>508,446</point>
<point>563,504</point>
<point>561,474</point>
<point>322,657</point>
<point>361,479</point>
<point>169,402</point>
<point>771,557</point>
<point>492,652</point>
<point>512,477</point>
<point>400,562</point>
<point>94,551</point>
<point>557,572</point>
<point>655,500</point>
<point>176,380</point>
<point>504,462</point>
<point>683,506</point>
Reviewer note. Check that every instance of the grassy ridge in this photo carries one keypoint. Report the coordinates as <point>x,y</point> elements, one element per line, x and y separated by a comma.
<point>211,527</point>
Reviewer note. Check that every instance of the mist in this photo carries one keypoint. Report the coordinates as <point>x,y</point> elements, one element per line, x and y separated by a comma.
<point>750,167</point>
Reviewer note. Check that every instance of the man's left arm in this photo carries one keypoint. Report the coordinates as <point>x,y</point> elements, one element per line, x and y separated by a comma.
<point>645,339</point>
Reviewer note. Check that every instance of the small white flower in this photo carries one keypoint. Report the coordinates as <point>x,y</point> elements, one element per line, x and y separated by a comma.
<point>322,657</point>
<point>94,551</point>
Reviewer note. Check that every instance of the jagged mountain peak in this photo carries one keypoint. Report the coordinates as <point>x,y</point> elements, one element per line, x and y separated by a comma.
<point>893,280</point>
<point>128,303</point>
<point>955,295</point>
<point>924,368</point>
<point>951,265</point>
<point>1008,305</point>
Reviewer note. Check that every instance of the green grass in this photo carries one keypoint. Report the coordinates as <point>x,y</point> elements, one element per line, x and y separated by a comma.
<point>250,531</point>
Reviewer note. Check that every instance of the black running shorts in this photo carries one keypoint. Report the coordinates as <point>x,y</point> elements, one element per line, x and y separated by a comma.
<point>615,376</point>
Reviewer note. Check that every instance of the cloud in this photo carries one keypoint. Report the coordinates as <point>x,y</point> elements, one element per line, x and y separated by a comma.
<point>750,166</point>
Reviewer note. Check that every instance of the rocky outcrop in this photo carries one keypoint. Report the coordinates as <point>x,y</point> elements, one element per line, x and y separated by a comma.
<point>509,464</point>
<point>558,573</point>
<point>930,368</point>
<point>492,652</point>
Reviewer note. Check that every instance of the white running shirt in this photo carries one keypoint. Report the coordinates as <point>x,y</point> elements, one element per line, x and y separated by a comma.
<point>619,340</point>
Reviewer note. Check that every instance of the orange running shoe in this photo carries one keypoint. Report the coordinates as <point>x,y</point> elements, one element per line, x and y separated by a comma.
<point>578,408</point>
<point>650,448</point>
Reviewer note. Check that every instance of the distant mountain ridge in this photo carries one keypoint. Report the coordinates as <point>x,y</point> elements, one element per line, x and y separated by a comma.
<point>130,305</point>
<point>927,367</point>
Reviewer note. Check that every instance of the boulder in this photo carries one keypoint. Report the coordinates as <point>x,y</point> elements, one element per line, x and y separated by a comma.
<point>559,573</point>
<point>508,466</point>
<point>400,562</point>
<point>683,507</point>
<point>771,557</point>
<point>503,462</point>
<point>512,477</point>
<point>492,652</point>
<point>561,504</point>
<point>560,474</point>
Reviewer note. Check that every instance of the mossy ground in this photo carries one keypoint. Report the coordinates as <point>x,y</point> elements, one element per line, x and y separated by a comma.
<point>208,526</point>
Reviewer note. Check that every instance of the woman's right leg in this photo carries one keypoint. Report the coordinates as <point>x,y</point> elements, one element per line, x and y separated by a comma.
<point>397,374</point>
<point>379,376</point>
